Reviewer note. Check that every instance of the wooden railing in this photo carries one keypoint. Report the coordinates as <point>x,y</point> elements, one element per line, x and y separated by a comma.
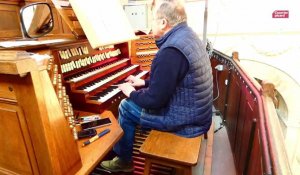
<point>239,98</point>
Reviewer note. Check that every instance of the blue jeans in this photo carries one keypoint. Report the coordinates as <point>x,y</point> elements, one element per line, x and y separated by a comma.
<point>129,118</point>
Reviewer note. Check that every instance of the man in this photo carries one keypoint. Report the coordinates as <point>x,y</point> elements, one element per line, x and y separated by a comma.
<point>178,96</point>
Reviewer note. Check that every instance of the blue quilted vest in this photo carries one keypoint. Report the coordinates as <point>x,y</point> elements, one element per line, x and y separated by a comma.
<point>189,111</point>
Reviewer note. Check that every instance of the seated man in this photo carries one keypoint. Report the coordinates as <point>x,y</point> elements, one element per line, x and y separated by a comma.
<point>178,96</point>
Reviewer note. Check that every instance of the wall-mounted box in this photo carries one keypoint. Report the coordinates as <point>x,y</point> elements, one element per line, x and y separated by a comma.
<point>138,16</point>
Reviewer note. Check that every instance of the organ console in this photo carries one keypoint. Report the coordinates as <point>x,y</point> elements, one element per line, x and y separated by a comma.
<point>82,78</point>
<point>38,108</point>
<point>89,74</point>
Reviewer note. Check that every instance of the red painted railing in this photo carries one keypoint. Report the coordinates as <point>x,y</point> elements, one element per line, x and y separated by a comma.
<point>239,99</point>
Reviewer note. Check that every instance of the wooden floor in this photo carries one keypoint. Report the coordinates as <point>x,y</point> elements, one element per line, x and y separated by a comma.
<point>223,162</point>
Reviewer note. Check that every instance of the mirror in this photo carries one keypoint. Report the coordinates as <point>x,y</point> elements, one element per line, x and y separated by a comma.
<point>36,20</point>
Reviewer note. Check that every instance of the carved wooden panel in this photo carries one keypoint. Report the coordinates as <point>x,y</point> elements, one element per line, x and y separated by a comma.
<point>16,153</point>
<point>231,114</point>
<point>6,91</point>
<point>255,163</point>
<point>245,122</point>
<point>240,126</point>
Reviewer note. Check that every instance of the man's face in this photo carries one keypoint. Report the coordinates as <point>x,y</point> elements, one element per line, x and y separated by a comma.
<point>156,28</point>
<point>157,23</point>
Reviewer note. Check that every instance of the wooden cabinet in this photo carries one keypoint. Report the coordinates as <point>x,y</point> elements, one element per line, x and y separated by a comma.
<point>34,135</point>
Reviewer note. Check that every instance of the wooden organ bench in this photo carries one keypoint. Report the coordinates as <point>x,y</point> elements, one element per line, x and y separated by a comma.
<point>177,152</point>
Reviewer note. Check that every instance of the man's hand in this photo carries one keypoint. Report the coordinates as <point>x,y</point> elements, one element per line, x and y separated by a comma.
<point>134,81</point>
<point>126,88</point>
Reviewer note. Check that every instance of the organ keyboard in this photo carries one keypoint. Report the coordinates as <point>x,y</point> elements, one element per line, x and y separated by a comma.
<point>95,71</point>
<point>113,89</point>
<point>102,81</point>
<point>90,74</point>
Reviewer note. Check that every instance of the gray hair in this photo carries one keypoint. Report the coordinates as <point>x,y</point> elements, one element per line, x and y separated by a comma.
<point>172,10</point>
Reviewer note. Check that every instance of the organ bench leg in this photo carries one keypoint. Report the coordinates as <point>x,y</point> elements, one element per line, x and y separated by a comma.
<point>147,166</point>
<point>188,170</point>
<point>148,161</point>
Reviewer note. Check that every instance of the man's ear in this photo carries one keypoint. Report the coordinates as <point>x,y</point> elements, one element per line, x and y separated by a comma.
<point>164,24</point>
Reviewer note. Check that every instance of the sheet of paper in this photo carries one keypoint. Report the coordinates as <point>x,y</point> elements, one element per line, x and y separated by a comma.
<point>104,21</point>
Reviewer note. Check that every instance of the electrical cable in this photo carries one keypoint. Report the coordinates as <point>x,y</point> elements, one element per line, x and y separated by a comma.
<point>221,126</point>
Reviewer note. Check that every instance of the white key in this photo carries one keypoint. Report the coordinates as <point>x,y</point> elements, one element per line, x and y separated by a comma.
<point>108,79</point>
<point>102,99</point>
